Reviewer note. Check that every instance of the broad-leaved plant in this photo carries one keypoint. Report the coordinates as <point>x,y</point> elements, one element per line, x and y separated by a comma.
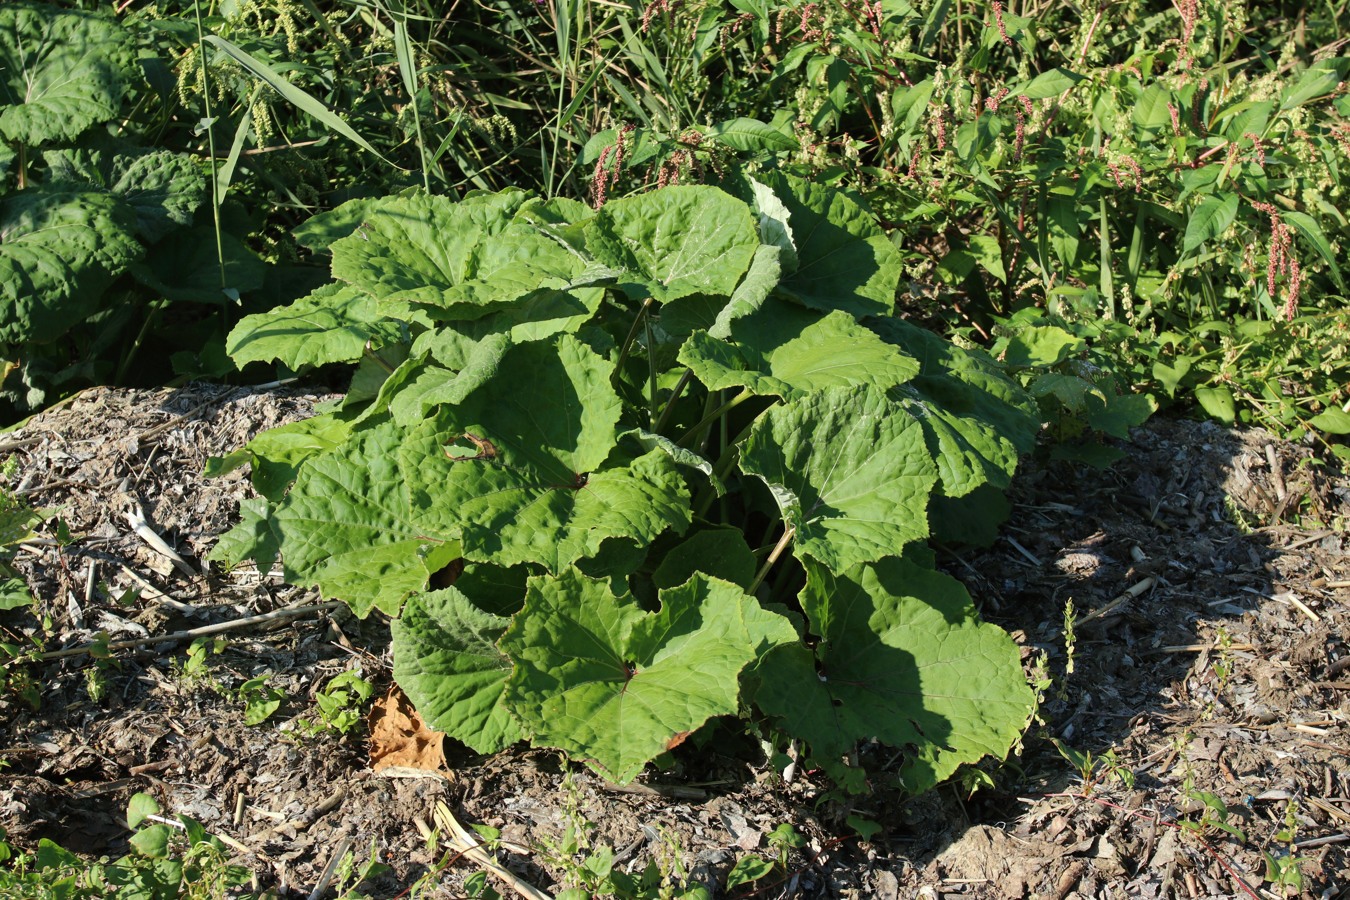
<point>623,471</point>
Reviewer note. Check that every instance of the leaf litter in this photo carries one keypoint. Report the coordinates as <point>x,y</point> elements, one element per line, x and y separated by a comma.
<point>1221,684</point>
<point>399,739</point>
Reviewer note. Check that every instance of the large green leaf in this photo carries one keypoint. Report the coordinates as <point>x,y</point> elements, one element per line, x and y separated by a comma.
<point>1063,228</point>
<point>277,454</point>
<point>507,276</point>
<point>251,538</point>
<point>844,260</point>
<point>1039,346</point>
<point>538,315</point>
<point>59,250</point>
<point>523,466</point>
<point>849,470</point>
<point>681,456</point>
<point>447,662</point>
<point>415,249</point>
<point>720,552</point>
<point>1209,219</point>
<point>516,263</point>
<point>1050,83</point>
<point>775,227</point>
<point>676,241</point>
<point>164,188</point>
<point>786,350</point>
<point>904,659</point>
<point>753,291</point>
<point>751,136</point>
<point>431,385</point>
<point>185,267</point>
<point>976,421</point>
<point>600,678</point>
<point>1115,414</point>
<point>333,324</point>
<point>320,231</point>
<point>349,526</point>
<point>63,71</point>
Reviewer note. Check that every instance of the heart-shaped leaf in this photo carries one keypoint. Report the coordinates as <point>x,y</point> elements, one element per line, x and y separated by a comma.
<point>850,471</point>
<point>598,677</point>
<point>447,662</point>
<point>678,241</point>
<point>902,658</point>
<point>785,350</point>
<point>975,419</point>
<point>844,260</point>
<point>59,251</point>
<point>524,468</point>
<point>349,526</point>
<point>64,71</point>
<point>333,324</point>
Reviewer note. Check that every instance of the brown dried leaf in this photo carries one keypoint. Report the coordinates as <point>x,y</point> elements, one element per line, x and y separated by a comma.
<point>399,737</point>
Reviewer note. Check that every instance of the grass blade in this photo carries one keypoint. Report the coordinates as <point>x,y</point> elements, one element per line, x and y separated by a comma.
<point>296,96</point>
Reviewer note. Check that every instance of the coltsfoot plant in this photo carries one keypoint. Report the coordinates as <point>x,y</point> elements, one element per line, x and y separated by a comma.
<point>622,471</point>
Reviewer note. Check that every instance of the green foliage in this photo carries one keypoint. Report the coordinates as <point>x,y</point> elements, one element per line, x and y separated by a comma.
<point>1287,376</point>
<point>590,870</point>
<point>340,703</point>
<point>1176,178</point>
<point>566,409</point>
<point>169,860</point>
<point>17,519</point>
<point>66,72</point>
<point>599,678</point>
<point>1083,374</point>
<point>1094,769</point>
<point>259,699</point>
<point>902,657</point>
<point>194,666</point>
<point>1282,864</point>
<point>1214,815</point>
<point>85,205</point>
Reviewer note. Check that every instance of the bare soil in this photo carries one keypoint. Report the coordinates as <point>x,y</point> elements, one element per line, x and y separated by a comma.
<point>1208,572</point>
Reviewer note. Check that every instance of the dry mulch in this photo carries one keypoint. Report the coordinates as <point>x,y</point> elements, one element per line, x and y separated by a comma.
<point>1208,575</point>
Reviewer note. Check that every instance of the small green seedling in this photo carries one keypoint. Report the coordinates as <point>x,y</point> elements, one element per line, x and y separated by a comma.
<point>16,678</point>
<point>784,839</point>
<point>1282,866</point>
<point>194,667</point>
<point>169,858</point>
<point>260,701</point>
<point>1214,814</point>
<point>340,702</point>
<point>1094,770</point>
<point>974,779</point>
<point>17,520</point>
<point>349,875</point>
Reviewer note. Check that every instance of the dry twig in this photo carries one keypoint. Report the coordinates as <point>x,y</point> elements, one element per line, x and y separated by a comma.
<point>174,637</point>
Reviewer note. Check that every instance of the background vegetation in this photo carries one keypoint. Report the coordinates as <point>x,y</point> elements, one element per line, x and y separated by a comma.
<point>1163,181</point>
